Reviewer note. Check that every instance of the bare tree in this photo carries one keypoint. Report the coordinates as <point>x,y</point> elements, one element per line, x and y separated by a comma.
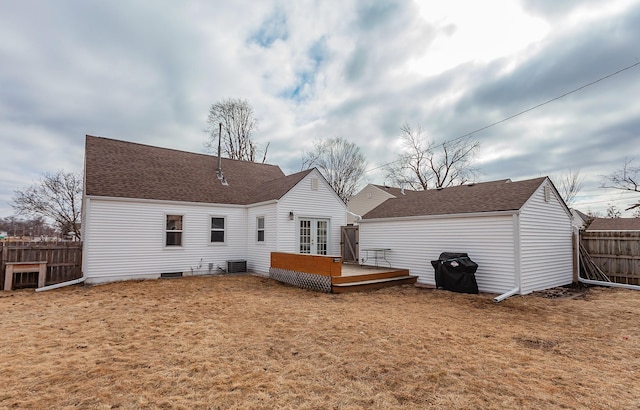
<point>613,211</point>
<point>340,162</point>
<point>57,197</point>
<point>626,179</point>
<point>238,126</point>
<point>425,164</point>
<point>570,185</point>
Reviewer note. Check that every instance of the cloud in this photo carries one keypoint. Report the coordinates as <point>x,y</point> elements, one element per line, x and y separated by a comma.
<point>148,71</point>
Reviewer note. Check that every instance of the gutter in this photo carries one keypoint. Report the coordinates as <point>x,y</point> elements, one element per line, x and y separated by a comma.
<point>62,284</point>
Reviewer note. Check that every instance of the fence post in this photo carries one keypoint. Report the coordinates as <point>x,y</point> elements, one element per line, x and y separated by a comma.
<point>2,265</point>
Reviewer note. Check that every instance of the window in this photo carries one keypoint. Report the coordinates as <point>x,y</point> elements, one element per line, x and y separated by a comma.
<point>173,235</point>
<point>218,229</point>
<point>260,228</point>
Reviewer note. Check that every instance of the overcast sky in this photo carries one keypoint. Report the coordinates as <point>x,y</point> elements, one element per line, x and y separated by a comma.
<point>147,72</point>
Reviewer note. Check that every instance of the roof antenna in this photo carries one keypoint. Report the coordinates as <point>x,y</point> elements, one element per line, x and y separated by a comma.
<point>219,171</point>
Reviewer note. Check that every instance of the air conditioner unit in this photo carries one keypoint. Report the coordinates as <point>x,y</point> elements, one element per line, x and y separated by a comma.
<point>237,266</point>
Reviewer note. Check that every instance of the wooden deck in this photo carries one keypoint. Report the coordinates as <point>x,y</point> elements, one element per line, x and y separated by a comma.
<point>329,274</point>
<point>355,278</point>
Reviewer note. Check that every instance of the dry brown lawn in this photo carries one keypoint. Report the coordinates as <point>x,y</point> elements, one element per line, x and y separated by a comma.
<point>249,342</point>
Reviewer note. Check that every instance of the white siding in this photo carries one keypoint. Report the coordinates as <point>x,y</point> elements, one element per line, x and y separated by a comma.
<point>259,253</point>
<point>545,237</point>
<point>125,239</point>
<point>305,202</point>
<point>415,243</point>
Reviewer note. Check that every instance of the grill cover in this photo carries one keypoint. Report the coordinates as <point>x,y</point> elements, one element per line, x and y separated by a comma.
<point>455,272</point>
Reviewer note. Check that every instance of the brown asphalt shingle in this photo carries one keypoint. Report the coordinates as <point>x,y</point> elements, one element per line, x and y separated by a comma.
<point>614,224</point>
<point>129,170</point>
<point>393,190</point>
<point>502,195</point>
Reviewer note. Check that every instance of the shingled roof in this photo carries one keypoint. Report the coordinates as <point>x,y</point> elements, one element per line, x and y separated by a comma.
<point>123,169</point>
<point>502,195</point>
<point>393,190</point>
<point>614,224</point>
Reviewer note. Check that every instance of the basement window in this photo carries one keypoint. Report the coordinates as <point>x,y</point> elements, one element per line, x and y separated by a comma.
<point>173,232</point>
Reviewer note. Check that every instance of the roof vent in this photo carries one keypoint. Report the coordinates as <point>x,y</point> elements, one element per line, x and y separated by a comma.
<point>219,174</point>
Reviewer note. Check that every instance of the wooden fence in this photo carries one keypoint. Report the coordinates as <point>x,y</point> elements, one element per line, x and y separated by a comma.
<point>617,254</point>
<point>64,261</point>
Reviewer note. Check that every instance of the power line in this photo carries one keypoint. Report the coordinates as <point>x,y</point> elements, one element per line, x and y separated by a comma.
<point>525,111</point>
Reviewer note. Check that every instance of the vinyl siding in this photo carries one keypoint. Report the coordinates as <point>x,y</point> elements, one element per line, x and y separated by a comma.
<point>125,239</point>
<point>365,200</point>
<point>545,235</point>
<point>308,203</point>
<point>414,243</point>
<point>259,253</point>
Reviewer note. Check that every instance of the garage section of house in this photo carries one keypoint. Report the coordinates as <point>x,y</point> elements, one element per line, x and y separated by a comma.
<point>519,233</point>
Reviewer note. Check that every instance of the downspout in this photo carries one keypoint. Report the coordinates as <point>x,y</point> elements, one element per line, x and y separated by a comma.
<point>600,282</point>
<point>358,217</point>
<point>610,284</point>
<point>86,205</point>
<point>516,252</point>
<point>63,284</point>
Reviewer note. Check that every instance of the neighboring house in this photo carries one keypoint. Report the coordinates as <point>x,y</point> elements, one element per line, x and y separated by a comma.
<point>519,233</point>
<point>614,224</point>
<point>579,219</point>
<point>370,197</point>
<point>3,235</point>
<point>149,211</point>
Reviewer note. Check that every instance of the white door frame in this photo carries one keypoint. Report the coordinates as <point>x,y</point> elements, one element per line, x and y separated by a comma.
<point>316,233</point>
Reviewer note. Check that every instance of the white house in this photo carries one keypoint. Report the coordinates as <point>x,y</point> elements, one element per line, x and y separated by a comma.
<point>150,212</point>
<point>519,233</point>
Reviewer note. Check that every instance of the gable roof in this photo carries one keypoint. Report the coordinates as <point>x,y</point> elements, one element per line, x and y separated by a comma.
<point>502,195</point>
<point>614,224</point>
<point>278,187</point>
<point>123,169</point>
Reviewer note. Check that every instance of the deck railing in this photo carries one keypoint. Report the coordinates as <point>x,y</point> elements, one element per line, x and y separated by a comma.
<point>315,264</point>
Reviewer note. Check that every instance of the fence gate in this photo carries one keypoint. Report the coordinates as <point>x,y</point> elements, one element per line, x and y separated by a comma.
<point>617,254</point>
<point>349,248</point>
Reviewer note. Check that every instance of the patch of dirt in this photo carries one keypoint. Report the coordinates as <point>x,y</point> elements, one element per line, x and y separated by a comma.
<point>238,342</point>
<point>575,290</point>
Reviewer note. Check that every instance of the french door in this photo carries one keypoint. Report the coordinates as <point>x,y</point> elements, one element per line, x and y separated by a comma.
<point>313,236</point>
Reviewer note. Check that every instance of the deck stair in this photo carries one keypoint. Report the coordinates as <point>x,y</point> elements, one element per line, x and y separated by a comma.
<point>363,280</point>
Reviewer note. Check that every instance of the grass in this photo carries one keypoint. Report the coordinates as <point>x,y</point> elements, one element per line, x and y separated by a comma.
<point>248,342</point>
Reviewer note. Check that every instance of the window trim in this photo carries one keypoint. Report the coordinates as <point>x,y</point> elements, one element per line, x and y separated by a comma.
<point>263,229</point>
<point>224,230</point>
<point>182,231</point>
